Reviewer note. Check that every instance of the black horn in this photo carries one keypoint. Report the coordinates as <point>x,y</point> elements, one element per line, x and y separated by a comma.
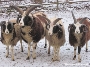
<point>75,21</point>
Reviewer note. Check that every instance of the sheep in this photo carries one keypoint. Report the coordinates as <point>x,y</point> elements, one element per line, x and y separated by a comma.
<point>87,23</point>
<point>77,36</point>
<point>10,35</point>
<point>40,15</point>
<point>32,27</point>
<point>56,37</point>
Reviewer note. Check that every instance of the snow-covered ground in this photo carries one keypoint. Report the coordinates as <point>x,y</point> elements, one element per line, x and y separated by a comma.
<point>43,59</point>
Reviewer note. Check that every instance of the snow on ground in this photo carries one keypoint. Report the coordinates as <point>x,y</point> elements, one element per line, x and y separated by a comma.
<point>43,59</point>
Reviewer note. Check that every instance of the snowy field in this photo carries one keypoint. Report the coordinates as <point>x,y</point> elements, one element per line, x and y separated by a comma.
<point>43,59</point>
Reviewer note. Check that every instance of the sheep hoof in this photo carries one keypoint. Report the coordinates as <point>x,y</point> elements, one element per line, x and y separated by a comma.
<point>21,50</point>
<point>48,52</point>
<point>34,56</point>
<point>53,59</point>
<point>79,60</point>
<point>45,46</point>
<point>28,58</point>
<point>86,50</point>
<point>6,56</point>
<point>74,58</point>
<point>13,60</point>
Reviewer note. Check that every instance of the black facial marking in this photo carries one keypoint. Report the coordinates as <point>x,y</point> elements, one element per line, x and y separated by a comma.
<point>72,38</point>
<point>10,27</point>
<point>58,30</point>
<point>19,18</point>
<point>27,20</point>
<point>72,28</point>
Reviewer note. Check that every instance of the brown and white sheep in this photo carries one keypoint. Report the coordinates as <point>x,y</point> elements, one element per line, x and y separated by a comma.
<point>56,37</point>
<point>32,27</point>
<point>77,36</point>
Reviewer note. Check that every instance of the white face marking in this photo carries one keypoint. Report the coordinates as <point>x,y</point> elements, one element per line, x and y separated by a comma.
<point>6,30</point>
<point>21,21</point>
<point>50,31</point>
<point>77,25</point>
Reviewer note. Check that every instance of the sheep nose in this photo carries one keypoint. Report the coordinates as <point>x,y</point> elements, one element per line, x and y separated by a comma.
<point>77,32</point>
<point>20,23</point>
<point>7,32</point>
<point>49,33</point>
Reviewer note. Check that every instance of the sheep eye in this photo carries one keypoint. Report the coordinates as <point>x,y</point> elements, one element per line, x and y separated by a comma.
<point>60,24</point>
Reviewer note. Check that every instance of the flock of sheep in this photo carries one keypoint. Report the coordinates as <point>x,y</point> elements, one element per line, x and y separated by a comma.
<point>32,27</point>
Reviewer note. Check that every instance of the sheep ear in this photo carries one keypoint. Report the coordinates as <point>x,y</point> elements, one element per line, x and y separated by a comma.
<point>60,24</point>
<point>85,28</point>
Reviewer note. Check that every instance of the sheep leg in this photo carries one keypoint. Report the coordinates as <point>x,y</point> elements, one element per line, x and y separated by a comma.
<point>74,53</point>
<point>12,53</point>
<point>86,46</point>
<point>28,57</point>
<point>21,45</point>
<point>79,50</point>
<point>54,55</point>
<point>45,43</point>
<point>7,51</point>
<point>34,51</point>
<point>58,55</point>
<point>49,49</point>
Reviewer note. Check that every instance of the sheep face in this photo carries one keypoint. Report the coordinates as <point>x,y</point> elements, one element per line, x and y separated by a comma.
<point>56,29</point>
<point>25,20</point>
<point>77,28</point>
<point>7,27</point>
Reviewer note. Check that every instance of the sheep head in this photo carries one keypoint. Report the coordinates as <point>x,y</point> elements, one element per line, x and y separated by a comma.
<point>57,23</point>
<point>24,14</point>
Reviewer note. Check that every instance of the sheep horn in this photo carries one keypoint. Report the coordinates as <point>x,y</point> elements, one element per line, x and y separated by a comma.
<point>69,27</point>
<point>82,19</point>
<point>18,9</point>
<point>74,18</point>
<point>55,21</point>
<point>32,8</point>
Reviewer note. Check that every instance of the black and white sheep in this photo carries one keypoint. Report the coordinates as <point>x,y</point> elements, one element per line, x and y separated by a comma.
<point>77,36</point>
<point>10,35</point>
<point>55,36</point>
<point>32,27</point>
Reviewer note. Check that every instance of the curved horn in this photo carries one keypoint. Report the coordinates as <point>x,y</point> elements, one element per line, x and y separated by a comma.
<point>55,21</point>
<point>31,8</point>
<point>82,19</point>
<point>74,17</point>
<point>18,9</point>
